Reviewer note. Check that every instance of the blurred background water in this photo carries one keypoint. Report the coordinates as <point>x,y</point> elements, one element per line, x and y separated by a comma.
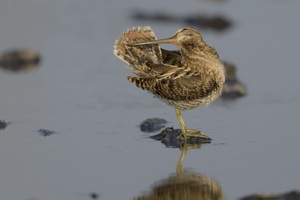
<point>80,91</point>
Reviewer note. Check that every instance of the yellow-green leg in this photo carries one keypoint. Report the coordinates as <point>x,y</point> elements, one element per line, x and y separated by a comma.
<point>186,133</point>
<point>181,158</point>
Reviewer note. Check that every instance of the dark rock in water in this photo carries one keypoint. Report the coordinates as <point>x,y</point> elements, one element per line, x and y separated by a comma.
<point>232,87</point>
<point>19,60</point>
<point>152,124</point>
<point>217,23</point>
<point>171,138</point>
<point>217,1</point>
<point>160,136</point>
<point>293,195</point>
<point>94,195</point>
<point>3,124</point>
<point>153,16</point>
<point>45,132</point>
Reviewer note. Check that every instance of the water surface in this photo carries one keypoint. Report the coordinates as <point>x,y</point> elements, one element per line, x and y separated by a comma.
<point>80,91</point>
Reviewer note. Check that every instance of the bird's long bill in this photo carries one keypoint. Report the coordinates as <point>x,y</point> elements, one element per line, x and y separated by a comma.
<point>167,40</point>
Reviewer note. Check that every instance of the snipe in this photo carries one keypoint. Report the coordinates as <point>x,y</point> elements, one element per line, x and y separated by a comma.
<point>183,79</point>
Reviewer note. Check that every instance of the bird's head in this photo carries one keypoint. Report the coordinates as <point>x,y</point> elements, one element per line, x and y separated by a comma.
<point>182,38</point>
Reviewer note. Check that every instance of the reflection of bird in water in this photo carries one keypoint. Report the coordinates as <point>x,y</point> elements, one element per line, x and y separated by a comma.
<point>186,79</point>
<point>19,60</point>
<point>185,184</point>
<point>232,87</point>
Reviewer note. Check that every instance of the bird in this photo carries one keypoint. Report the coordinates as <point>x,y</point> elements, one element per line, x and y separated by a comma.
<point>185,78</point>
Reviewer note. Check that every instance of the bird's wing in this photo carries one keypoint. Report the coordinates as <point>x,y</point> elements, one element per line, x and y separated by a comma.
<point>141,57</point>
<point>174,81</point>
<point>170,65</point>
<point>185,88</point>
<point>171,57</point>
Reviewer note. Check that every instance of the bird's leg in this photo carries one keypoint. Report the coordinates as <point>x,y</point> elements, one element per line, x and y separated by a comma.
<point>188,132</point>
<point>181,123</point>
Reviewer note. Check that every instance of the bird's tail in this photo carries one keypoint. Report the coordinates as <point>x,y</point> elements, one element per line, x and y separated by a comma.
<point>140,58</point>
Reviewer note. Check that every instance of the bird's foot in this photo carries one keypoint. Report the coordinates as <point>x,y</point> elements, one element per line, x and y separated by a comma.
<point>191,134</point>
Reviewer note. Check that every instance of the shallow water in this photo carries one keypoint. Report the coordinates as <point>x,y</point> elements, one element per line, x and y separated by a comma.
<point>80,91</point>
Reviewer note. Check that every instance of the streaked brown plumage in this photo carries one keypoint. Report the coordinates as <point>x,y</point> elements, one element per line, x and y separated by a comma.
<point>184,79</point>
